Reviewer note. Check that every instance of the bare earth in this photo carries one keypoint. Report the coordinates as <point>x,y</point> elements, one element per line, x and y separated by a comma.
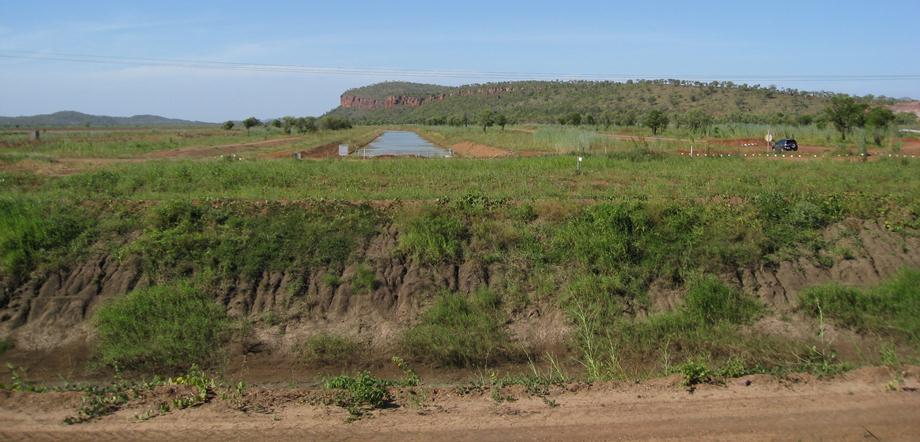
<point>474,150</point>
<point>862,405</point>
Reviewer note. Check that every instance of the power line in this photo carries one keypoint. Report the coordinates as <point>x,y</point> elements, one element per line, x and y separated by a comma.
<point>429,73</point>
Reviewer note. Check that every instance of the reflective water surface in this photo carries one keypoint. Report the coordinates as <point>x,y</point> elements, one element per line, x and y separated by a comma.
<point>402,143</point>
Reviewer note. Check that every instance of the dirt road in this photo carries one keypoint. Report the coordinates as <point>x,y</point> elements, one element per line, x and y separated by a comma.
<point>861,406</point>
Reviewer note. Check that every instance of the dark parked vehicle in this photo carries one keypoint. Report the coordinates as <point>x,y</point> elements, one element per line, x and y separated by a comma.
<point>785,145</point>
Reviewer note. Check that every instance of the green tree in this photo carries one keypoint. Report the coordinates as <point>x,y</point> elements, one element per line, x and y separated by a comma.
<point>697,120</point>
<point>276,123</point>
<point>305,124</point>
<point>655,120</point>
<point>879,119</point>
<point>228,125</point>
<point>333,122</point>
<point>487,119</point>
<point>287,124</point>
<point>607,120</point>
<point>845,114</point>
<point>250,123</point>
<point>575,119</point>
<point>804,119</point>
<point>626,118</point>
<point>905,118</point>
<point>501,120</point>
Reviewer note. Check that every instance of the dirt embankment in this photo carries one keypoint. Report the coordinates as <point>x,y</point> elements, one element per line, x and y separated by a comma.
<point>50,312</point>
<point>474,150</point>
<point>212,151</point>
<point>867,404</point>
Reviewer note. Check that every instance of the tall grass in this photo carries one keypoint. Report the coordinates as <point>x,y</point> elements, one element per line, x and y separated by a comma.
<point>163,327</point>
<point>460,331</point>
<point>182,237</point>
<point>892,309</point>
<point>32,232</point>
<point>433,236</point>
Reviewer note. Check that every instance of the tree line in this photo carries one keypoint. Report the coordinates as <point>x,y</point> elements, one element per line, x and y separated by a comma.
<point>843,112</point>
<point>290,124</point>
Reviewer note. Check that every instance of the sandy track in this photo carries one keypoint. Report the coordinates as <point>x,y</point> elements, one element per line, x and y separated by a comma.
<point>858,407</point>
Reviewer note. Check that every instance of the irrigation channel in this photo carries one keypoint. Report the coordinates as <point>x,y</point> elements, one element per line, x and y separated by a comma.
<point>402,143</point>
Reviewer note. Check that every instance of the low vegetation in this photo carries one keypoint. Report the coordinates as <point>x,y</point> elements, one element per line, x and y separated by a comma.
<point>165,327</point>
<point>457,331</point>
<point>706,326</point>
<point>891,310</point>
<point>359,393</point>
<point>330,349</point>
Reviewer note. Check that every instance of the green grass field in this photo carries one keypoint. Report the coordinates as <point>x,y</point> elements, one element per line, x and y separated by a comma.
<point>601,177</point>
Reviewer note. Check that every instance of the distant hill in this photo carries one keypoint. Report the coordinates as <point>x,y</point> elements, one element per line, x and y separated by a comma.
<point>547,101</point>
<point>71,118</point>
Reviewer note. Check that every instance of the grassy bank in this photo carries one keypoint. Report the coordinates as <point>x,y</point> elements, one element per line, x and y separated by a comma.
<point>594,261</point>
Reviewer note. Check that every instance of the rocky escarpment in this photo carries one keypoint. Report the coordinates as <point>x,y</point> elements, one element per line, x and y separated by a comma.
<point>53,307</point>
<point>349,101</point>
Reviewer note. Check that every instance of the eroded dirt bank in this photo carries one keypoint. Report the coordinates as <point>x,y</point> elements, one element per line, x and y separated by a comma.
<point>862,405</point>
<point>48,316</point>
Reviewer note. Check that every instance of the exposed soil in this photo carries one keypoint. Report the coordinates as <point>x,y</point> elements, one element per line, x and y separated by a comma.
<point>909,106</point>
<point>867,404</point>
<point>48,316</point>
<point>330,150</point>
<point>474,150</point>
<point>223,149</point>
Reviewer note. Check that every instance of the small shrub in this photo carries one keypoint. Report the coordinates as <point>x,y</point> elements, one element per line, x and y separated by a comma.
<point>332,280</point>
<point>695,371</point>
<point>732,368</point>
<point>360,393</point>
<point>329,349</point>
<point>170,327</point>
<point>364,280</point>
<point>410,377</point>
<point>457,331</point>
<point>524,213</point>
<point>5,345</point>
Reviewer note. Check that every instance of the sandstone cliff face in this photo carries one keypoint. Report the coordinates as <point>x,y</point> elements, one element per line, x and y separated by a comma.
<point>365,103</point>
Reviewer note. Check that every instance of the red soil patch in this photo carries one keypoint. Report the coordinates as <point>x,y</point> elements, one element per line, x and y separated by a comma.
<point>469,149</point>
<point>910,146</point>
<point>330,150</point>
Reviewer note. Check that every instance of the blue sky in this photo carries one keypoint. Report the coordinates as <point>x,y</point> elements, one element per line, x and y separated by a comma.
<point>667,39</point>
